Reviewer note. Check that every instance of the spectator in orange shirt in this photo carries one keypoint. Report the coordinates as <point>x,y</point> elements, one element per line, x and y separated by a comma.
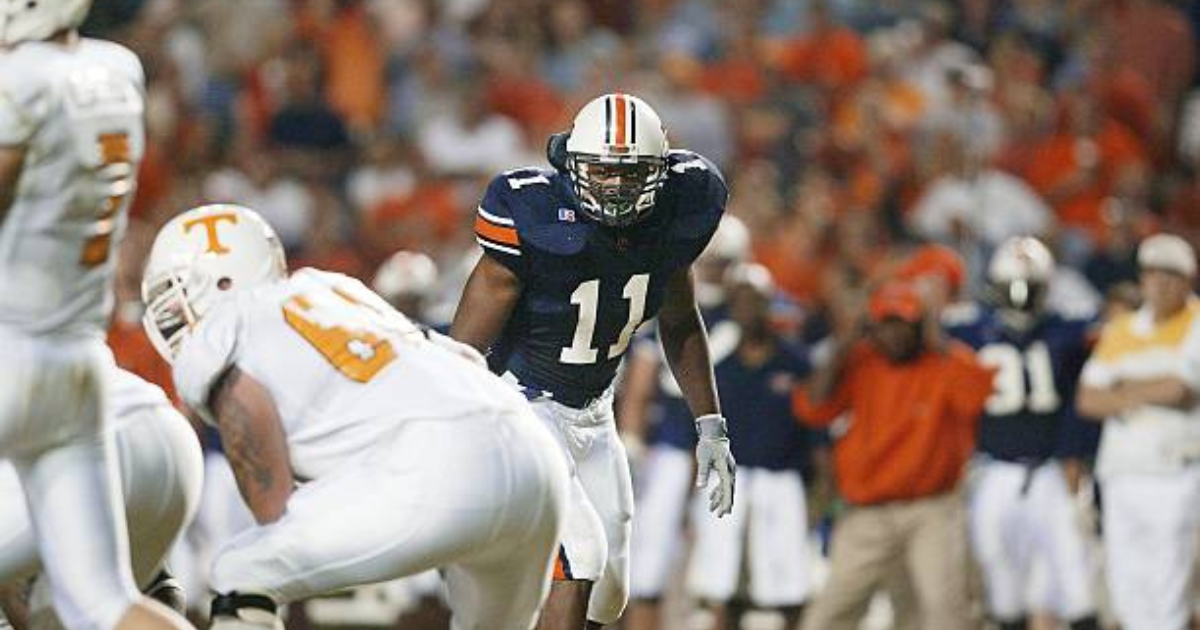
<point>1090,158</point>
<point>829,55</point>
<point>911,400</point>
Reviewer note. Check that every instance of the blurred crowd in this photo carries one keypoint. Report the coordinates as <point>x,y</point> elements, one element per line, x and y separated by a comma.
<point>847,129</point>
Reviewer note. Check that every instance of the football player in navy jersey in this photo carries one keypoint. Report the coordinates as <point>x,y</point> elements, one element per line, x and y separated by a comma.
<point>577,257</point>
<point>767,532</point>
<point>657,431</point>
<point>1021,508</point>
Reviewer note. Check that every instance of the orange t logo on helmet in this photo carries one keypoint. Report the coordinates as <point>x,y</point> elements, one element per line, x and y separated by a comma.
<point>210,226</point>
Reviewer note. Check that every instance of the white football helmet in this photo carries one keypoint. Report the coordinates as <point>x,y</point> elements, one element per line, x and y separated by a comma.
<point>730,245</point>
<point>1018,277</point>
<point>406,280</point>
<point>35,20</point>
<point>617,158</point>
<point>196,258</point>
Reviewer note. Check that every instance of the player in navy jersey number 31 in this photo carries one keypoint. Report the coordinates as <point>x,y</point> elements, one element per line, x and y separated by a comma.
<point>578,256</point>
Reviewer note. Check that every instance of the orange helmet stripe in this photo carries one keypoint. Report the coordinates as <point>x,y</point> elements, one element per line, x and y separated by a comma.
<point>621,113</point>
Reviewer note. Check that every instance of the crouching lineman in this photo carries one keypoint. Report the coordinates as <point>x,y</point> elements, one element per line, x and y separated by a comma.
<point>366,447</point>
<point>160,470</point>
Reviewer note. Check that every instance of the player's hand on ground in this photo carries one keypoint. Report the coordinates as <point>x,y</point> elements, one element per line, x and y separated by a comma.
<point>712,455</point>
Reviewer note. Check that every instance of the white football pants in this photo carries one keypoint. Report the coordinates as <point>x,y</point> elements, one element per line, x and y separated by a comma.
<point>599,520</point>
<point>52,400</point>
<point>768,528</point>
<point>481,497</point>
<point>665,483</point>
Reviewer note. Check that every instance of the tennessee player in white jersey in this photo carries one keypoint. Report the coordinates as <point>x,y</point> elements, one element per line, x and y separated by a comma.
<point>366,447</point>
<point>71,138</point>
<point>160,482</point>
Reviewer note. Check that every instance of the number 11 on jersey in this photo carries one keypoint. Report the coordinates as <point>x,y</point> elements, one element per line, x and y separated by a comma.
<point>587,298</point>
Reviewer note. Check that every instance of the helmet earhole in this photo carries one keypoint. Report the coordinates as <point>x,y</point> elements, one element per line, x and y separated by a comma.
<point>224,283</point>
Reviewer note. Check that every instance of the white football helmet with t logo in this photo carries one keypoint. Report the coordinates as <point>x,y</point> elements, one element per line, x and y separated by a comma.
<point>617,159</point>
<point>197,257</point>
<point>35,20</point>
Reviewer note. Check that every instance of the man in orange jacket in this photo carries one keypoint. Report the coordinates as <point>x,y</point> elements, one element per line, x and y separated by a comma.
<point>910,402</point>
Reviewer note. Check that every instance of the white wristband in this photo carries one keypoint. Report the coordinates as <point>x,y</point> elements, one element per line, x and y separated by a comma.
<point>711,425</point>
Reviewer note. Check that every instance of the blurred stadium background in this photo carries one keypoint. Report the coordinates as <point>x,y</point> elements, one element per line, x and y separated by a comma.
<point>850,131</point>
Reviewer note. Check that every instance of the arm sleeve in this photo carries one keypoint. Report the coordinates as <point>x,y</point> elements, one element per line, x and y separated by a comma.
<point>16,121</point>
<point>1097,372</point>
<point>205,356</point>
<point>1191,358</point>
<point>496,227</point>
<point>972,382</point>
<point>823,414</point>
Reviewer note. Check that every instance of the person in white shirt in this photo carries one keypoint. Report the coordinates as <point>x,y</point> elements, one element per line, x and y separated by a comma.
<point>977,201</point>
<point>368,448</point>
<point>1143,380</point>
<point>71,139</point>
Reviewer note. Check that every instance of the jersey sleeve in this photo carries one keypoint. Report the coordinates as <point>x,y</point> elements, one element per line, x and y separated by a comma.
<point>701,198</point>
<point>496,226</point>
<point>971,380</point>
<point>205,355</point>
<point>1098,371</point>
<point>1191,358</point>
<point>17,120</point>
<point>820,415</point>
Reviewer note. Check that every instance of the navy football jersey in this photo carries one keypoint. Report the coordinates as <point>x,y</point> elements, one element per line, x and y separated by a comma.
<point>673,423</point>
<point>585,287</point>
<point>1030,415</point>
<point>757,402</point>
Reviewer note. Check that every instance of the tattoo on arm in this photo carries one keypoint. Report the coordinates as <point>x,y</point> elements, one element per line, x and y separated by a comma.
<point>255,445</point>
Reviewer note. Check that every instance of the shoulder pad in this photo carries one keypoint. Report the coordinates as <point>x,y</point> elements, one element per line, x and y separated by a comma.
<point>529,207</point>
<point>22,99</point>
<point>206,353</point>
<point>697,191</point>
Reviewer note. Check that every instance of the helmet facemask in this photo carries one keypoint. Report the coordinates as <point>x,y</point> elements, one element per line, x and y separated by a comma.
<point>616,157</point>
<point>1020,303</point>
<point>169,315</point>
<point>616,192</point>
<point>1019,275</point>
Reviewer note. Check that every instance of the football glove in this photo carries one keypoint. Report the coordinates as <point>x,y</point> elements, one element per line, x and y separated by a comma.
<point>712,454</point>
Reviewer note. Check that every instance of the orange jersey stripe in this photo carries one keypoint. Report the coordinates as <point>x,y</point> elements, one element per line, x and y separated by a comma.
<point>620,106</point>
<point>560,573</point>
<point>497,233</point>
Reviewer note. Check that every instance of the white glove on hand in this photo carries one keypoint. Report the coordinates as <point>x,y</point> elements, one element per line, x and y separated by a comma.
<point>712,453</point>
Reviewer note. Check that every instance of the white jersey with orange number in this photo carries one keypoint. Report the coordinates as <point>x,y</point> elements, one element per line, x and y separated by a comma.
<point>76,111</point>
<point>343,367</point>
